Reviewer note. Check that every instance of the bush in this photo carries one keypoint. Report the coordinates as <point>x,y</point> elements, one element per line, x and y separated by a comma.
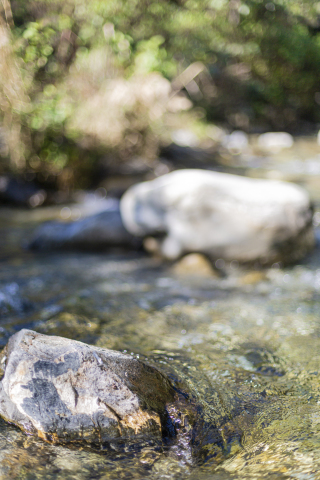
<point>85,79</point>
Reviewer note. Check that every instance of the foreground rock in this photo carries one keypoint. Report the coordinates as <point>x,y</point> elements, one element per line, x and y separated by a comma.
<point>221,215</point>
<point>99,231</point>
<point>67,391</point>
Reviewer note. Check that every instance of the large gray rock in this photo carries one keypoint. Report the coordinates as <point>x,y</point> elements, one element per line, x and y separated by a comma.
<point>99,231</point>
<point>221,215</point>
<point>67,391</point>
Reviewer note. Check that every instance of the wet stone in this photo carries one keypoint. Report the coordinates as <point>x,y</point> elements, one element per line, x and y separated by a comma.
<point>96,232</point>
<point>66,391</point>
<point>194,264</point>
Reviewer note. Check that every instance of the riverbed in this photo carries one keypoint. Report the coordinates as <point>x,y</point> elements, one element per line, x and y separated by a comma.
<point>244,343</point>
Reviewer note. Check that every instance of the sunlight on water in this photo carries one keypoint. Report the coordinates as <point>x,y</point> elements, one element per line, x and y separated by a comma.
<point>244,346</point>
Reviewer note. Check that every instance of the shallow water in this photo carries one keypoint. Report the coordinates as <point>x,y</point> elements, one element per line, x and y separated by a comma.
<point>244,343</point>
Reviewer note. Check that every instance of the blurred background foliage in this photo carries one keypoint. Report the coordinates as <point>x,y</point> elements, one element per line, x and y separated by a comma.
<point>81,81</point>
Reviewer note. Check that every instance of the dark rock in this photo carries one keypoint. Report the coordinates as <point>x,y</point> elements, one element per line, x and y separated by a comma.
<point>116,177</point>
<point>20,192</point>
<point>99,231</point>
<point>66,391</point>
<point>190,157</point>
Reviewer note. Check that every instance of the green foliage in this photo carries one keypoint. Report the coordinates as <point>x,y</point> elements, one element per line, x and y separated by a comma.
<point>287,61</point>
<point>262,60</point>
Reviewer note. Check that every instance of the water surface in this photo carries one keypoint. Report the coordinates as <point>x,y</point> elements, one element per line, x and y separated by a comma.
<point>244,343</point>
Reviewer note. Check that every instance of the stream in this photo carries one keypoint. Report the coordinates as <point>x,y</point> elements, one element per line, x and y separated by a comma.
<point>245,344</point>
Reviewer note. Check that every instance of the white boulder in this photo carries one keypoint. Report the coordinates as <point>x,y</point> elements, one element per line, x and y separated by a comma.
<point>221,215</point>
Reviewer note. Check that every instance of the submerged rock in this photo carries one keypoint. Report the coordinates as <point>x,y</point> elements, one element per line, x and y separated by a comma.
<point>99,231</point>
<point>67,391</point>
<point>194,264</point>
<point>221,215</point>
<point>11,300</point>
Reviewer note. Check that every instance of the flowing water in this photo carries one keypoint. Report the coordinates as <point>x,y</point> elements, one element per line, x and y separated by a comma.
<point>244,343</point>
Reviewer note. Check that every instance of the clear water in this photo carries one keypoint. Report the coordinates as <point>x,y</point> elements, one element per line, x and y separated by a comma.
<point>245,344</point>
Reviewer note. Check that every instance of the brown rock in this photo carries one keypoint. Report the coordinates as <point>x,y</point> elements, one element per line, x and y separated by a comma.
<point>194,264</point>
